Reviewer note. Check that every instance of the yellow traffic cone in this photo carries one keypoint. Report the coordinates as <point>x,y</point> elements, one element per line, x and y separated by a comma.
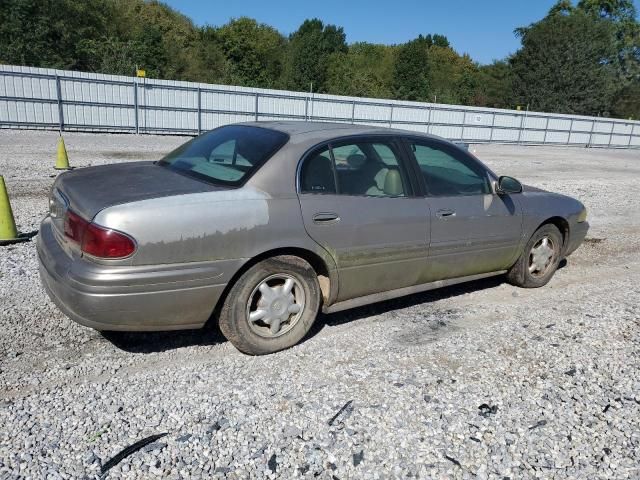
<point>62,161</point>
<point>8,230</point>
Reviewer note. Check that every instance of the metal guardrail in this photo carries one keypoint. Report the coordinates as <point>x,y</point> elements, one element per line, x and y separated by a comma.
<point>64,112</point>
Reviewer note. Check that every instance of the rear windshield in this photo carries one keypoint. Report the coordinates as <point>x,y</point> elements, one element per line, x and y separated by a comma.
<point>227,155</point>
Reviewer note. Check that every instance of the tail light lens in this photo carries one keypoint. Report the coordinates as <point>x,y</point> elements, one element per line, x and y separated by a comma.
<point>74,226</point>
<point>96,240</point>
<point>106,243</point>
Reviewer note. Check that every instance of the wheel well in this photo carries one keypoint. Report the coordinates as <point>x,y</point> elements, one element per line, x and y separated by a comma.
<point>561,224</point>
<point>316,262</point>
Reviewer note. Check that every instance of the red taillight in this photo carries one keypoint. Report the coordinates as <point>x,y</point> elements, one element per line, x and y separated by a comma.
<point>106,243</point>
<point>74,226</point>
<point>96,240</point>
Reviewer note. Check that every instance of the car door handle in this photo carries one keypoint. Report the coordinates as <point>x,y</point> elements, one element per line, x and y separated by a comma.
<point>326,218</point>
<point>444,213</point>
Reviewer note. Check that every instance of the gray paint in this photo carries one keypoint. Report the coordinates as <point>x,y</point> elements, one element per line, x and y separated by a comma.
<point>481,236</point>
<point>193,238</point>
<point>378,244</point>
<point>90,189</point>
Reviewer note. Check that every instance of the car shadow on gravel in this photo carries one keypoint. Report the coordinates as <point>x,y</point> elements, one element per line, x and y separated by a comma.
<point>153,342</point>
<point>380,308</point>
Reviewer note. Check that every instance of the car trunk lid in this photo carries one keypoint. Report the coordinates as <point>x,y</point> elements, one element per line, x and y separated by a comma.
<point>88,190</point>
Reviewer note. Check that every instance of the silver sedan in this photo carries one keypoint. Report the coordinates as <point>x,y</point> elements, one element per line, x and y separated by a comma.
<point>258,226</point>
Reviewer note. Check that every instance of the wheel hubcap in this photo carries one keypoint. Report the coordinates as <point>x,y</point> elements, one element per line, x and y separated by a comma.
<point>275,305</point>
<point>542,256</point>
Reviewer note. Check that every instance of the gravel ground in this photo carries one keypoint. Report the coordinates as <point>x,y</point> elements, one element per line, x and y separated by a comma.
<point>482,380</point>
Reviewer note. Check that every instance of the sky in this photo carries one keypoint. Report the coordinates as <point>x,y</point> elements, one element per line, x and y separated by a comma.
<point>481,28</point>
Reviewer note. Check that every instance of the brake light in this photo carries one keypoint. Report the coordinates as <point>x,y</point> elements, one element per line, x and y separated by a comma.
<point>74,226</point>
<point>96,240</point>
<point>106,243</point>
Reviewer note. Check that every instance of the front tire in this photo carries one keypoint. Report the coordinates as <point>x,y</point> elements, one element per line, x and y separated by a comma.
<point>271,306</point>
<point>540,259</point>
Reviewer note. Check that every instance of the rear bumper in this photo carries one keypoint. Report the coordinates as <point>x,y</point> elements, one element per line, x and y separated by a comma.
<point>576,236</point>
<point>143,298</point>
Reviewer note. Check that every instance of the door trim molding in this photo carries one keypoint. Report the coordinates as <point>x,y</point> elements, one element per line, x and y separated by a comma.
<point>401,292</point>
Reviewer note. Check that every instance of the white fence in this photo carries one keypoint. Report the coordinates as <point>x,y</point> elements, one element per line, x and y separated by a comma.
<point>66,100</point>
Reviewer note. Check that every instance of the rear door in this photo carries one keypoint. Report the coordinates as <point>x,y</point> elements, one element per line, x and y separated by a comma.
<point>358,202</point>
<point>473,230</point>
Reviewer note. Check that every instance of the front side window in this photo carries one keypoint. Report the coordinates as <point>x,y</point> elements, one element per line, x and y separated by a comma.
<point>357,169</point>
<point>447,172</point>
<point>226,155</point>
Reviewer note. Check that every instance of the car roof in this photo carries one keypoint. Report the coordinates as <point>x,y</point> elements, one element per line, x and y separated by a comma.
<point>304,136</point>
<point>319,131</point>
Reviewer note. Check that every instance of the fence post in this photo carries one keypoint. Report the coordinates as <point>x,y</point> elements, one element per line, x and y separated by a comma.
<point>570,130</point>
<point>464,123</point>
<point>613,126</point>
<point>199,110</point>
<point>520,129</point>
<point>60,109</point>
<point>493,124</point>
<point>353,112</point>
<point>429,119</point>
<point>593,126</point>
<point>391,116</point>
<point>306,109</point>
<point>546,129</point>
<point>135,105</point>
<point>631,135</point>
<point>257,97</point>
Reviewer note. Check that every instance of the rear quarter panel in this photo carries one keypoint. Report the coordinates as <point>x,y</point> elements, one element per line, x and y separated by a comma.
<point>238,223</point>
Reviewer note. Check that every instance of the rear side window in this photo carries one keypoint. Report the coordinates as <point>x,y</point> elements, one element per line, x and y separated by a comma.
<point>357,169</point>
<point>447,172</point>
<point>226,155</point>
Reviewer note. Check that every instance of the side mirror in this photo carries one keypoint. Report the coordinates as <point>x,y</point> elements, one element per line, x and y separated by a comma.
<point>507,185</point>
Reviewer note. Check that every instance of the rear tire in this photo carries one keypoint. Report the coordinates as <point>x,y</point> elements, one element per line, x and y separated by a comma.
<point>540,259</point>
<point>271,306</point>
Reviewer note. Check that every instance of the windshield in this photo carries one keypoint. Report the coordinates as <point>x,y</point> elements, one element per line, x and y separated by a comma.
<point>227,155</point>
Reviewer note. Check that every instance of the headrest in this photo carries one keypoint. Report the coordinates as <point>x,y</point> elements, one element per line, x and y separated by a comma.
<point>393,184</point>
<point>318,175</point>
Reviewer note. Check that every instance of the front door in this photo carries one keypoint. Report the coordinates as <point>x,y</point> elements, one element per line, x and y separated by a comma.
<point>358,203</point>
<point>473,230</point>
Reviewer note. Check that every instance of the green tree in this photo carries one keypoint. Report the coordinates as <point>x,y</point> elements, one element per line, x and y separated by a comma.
<point>48,33</point>
<point>494,87</point>
<point>122,56</point>
<point>310,49</point>
<point>209,63</point>
<point>467,82</point>
<point>627,102</point>
<point>566,64</point>
<point>365,70</point>
<point>137,21</point>
<point>440,41</point>
<point>411,70</point>
<point>254,52</point>
<point>623,16</point>
<point>452,78</point>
